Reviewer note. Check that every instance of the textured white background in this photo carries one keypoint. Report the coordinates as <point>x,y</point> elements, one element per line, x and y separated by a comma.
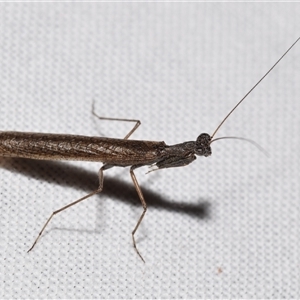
<point>225,226</point>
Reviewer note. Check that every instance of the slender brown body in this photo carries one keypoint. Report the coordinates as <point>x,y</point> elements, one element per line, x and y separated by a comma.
<point>47,146</point>
<point>111,152</point>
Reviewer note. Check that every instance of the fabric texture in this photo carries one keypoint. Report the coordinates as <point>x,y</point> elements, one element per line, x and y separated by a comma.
<point>227,226</point>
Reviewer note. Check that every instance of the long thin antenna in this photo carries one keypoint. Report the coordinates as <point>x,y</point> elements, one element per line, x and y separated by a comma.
<point>254,87</point>
<point>243,139</point>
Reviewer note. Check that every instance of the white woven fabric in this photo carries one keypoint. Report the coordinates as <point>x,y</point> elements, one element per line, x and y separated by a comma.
<point>225,226</point>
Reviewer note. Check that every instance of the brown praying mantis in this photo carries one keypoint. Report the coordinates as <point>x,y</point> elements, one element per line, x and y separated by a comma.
<point>112,152</point>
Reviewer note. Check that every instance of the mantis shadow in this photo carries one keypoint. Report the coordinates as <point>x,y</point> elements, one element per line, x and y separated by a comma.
<point>65,174</point>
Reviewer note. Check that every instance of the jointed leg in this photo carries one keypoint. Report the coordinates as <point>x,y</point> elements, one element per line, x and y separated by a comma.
<point>100,175</point>
<point>139,191</point>
<point>138,122</point>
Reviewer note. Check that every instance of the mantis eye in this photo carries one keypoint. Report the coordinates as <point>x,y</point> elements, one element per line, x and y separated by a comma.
<point>203,145</point>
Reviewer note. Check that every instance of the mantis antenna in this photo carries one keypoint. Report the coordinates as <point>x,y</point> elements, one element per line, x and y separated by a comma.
<point>252,89</point>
